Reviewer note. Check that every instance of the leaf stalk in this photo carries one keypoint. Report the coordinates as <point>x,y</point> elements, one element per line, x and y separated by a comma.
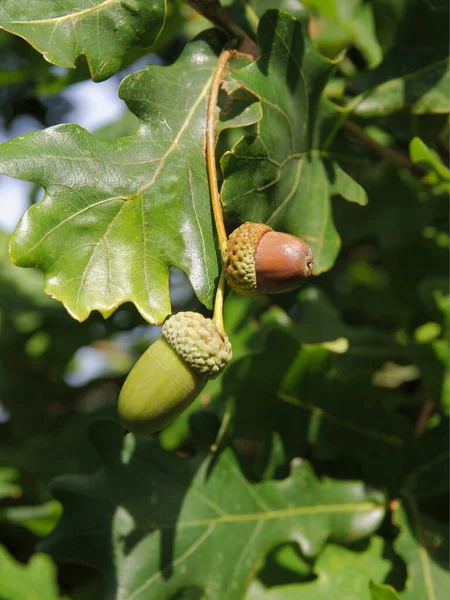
<point>218,304</point>
<point>211,145</point>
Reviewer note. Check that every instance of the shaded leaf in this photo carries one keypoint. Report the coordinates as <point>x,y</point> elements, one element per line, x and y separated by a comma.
<point>414,73</point>
<point>155,524</point>
<point>279,176</point>
<point>248,14</point>
<point>391,197</point>
<point>310,395</point>
<point>433,359</point>
<point>435,295</point>
<point>388,15</point>
<point>117,214</point>
<point>102,31</point>
<point>427,470</point>
<point>355,18</point>
<point>423,544</point>
<point>317,321</point>
<point>346,417</point>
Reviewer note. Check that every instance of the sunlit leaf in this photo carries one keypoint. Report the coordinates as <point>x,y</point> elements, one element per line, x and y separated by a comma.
<point>118,214</point>
<point>101,30</point>
<point>382,592</point>
<point>37,579</point>
<point>438,173</point>
<point>8,483</point>
<point>362,563</point>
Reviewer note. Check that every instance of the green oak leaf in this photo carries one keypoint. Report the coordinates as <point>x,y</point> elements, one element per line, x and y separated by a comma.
<point>317,389</point>
<point>9,487</point>
<point>431,350</point>
<point>438,174</point>
<point>35,580</point>
<point>117,214</point>
<point>249,18</point>
<point>414,74</point>
<point>382,592</point>
<point>358,565</point>
<point>355,19</point>
<point>154,524</point>
<point>423,544</point>
<point>383,218</point>
<point>434,293</point>
<point>428,463</point>
<point>101,30</point>
<point>309,396</point>
<point>279,176</point>
<point>345,415</point>
<point>39,519</point>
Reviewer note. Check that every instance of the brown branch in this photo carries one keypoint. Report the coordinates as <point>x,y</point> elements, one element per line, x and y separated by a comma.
<point>390,155</point>
<point>425,413</point>
<point>214,12</point>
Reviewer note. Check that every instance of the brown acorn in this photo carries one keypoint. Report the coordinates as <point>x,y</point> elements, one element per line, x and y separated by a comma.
<point>259,260</point>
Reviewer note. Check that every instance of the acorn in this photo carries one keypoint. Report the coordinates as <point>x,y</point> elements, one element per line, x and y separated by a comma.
<point>172,372</point>
<point>259,260</point>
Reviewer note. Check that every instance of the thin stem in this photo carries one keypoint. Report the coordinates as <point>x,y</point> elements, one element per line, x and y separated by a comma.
<point>218,304</point>
<point>210,147</point>
<point>215,447</point>
<point>425,413</point>
<point>214,12</point>
<point>393,156</point>
<point>223,430</point>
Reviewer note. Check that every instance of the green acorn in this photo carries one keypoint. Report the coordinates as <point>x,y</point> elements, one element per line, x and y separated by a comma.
<point>172,372</point>
<point>258,260</point>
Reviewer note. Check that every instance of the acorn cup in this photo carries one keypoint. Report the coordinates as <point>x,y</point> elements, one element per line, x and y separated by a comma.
<point>259,260</point>
<point>172,372</point>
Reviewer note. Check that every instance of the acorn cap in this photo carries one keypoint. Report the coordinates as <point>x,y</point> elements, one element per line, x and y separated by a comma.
<point>198,342</point>
<point>238,258</point>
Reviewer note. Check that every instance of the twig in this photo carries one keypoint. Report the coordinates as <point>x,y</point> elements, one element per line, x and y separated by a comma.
<point>424,416</point>
<point>214,12</point>
<point>222,430</point>
<point>210,147</point>
<point>393,156</point>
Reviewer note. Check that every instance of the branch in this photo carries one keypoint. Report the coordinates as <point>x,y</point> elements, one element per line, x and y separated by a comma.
<point>393,156</point>
<point>425,413</point>
<point>214,12</point>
